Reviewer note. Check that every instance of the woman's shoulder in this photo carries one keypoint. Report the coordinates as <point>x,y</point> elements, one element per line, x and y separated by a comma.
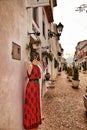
<point>29,67</point>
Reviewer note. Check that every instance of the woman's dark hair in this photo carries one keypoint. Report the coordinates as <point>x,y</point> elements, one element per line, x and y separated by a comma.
<point>33,55</point>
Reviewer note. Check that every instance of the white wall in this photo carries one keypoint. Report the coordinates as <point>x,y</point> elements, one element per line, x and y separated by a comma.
<point>13,28</point>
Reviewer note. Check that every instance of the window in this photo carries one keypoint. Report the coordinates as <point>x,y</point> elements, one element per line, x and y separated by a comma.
<point>35,15</point>
<point>43,24</point>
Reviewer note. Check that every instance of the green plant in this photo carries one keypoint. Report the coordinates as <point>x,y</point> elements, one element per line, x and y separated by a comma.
<point>59,69</point>
<point>30,45</point>
<point>55,63</point>
<point>86,89</point>
<point>75,74</point>
<point>37,42</point>
<point>27,46</point>
<point>84,68</point>
<point>44,53</point>
<point>48,55</point>
<point>65,67</point>
<point>67,70</point>
<point>70,71</point>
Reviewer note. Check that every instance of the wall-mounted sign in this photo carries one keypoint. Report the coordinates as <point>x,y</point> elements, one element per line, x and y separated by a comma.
<point>16,51</point>
<point>37,3</point>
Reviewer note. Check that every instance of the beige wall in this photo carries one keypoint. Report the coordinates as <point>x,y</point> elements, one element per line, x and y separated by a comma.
<point>53,42</point>
<point>13,28</point>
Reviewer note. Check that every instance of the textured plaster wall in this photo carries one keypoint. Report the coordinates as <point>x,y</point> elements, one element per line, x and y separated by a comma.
<point>13,28</point>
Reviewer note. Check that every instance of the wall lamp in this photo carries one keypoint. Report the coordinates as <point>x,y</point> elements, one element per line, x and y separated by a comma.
<point>53,34</point>
<point>60,27</point>
<point>59,31</point>
<point>35,33</point>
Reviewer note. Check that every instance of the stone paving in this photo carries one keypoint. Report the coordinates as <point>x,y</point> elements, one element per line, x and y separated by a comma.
<point>63,106</point>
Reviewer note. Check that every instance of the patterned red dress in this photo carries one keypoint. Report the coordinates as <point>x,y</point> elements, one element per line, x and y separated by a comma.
<point>32,113</point>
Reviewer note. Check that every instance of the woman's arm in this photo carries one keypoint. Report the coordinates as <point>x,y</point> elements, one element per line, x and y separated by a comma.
<point>29,67</point>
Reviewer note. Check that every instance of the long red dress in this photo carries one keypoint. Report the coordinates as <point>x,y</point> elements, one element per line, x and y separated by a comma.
<point>32,113</point>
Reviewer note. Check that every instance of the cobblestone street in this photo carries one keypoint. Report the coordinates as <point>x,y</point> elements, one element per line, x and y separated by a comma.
<point>63,106</point>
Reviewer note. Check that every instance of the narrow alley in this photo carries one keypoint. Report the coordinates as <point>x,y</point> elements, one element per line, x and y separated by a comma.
<point>63,106</point>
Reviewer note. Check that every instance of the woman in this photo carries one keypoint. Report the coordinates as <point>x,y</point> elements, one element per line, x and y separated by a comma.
<point>32,112</point>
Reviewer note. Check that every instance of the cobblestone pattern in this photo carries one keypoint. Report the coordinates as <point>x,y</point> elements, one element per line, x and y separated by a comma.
<point>63,106</point>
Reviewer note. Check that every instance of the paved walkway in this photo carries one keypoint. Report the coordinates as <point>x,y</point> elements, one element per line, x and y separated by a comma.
<point>63,107</point>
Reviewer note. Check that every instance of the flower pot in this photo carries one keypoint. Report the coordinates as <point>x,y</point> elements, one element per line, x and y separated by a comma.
<point>36,46</point>
<point>59,73</point>
<point>70,78</point>
<point>47,76</point>
<point>75,83</point>
<point>85,101</point>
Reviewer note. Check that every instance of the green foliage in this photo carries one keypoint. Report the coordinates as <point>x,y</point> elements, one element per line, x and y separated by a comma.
<point>55,63</point>
<point>30,45</point>
<point>70,71</point>
<point>76,74</point>
<point>37,42</point>
<point>44,53</point>
<point>86,89</point>
<point>27,46</point>
<point>67,70</point>
<point>65,67</point>
<point>59,69</point>
<point>48,55</point>
<point>84,68</point>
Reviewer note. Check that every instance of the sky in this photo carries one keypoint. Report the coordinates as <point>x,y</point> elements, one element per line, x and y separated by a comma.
<point>75,24</point>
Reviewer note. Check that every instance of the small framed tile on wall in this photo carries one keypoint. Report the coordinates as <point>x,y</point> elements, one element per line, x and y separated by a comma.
<point>16,51</point>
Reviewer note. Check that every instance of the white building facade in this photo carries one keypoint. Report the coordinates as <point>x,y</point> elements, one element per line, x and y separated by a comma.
<point>18,20</point>
<point>80,56</point>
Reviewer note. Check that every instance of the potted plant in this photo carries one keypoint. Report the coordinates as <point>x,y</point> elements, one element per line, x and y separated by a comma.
<point>55,63</point>
<point>49,55</point>
<point>65,68</point>
<point>85,99</point>
<point>27,47</point>
<point>33,44</point>
<point>59,71</point>
<point>70,74</point>
<point>84,69</point>
<point>75,79</point>
<point>44,53</point>
<point>47,75</point>
<point>36,44</point>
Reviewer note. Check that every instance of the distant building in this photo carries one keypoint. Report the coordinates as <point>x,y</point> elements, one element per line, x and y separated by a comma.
<point>80,56</point>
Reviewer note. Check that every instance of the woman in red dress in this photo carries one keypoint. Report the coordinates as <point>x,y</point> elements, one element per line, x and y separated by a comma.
<point>32,112</point>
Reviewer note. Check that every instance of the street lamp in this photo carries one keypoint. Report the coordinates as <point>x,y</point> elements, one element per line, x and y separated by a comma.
<point>59,31</point>
<point>35,33</point>
<point>60,28</point>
